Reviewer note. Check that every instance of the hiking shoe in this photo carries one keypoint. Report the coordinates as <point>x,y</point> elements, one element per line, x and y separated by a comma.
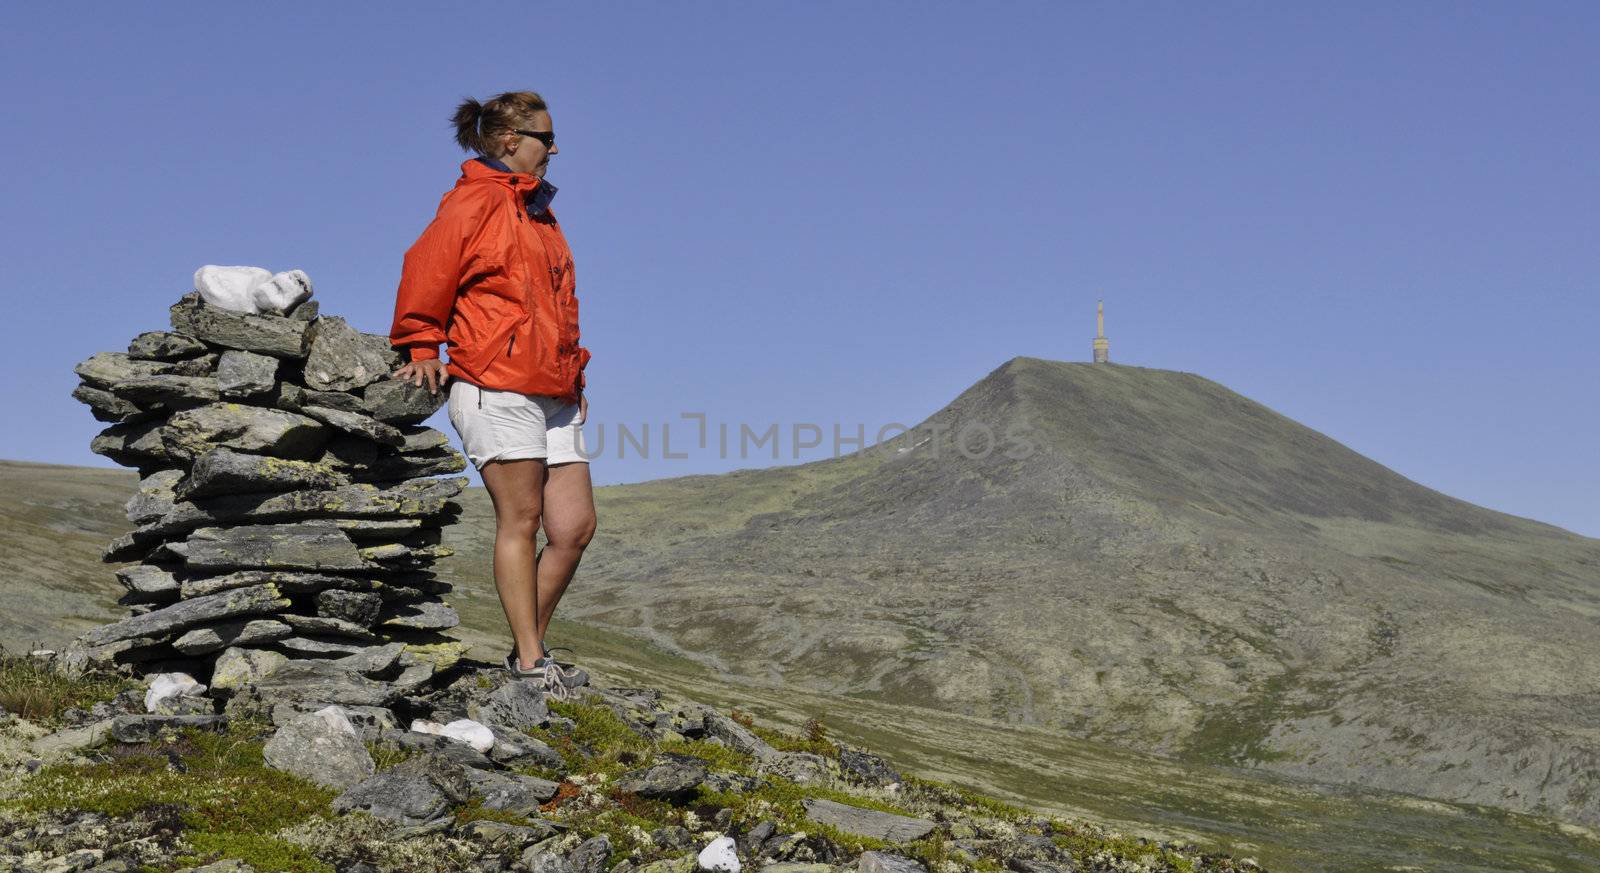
<point>572,675</point>
<point>544,672</point>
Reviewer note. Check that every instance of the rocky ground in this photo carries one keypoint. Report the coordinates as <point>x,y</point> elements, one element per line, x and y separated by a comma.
<point>274,777</point>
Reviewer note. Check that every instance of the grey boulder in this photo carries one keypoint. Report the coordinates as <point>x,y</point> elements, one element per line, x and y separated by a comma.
<point>344,359</point>
<point>267,334</point>
<point>321,746</point>
<point>241,374</point>
<point>674,777</point>
<point>886,826</point>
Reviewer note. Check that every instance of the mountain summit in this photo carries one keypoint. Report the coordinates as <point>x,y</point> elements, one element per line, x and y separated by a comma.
<point>1142,557</point>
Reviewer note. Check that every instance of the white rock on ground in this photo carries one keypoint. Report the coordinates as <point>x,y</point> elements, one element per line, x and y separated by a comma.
<point>168,685</point>
<point>719,855</point>
<point>462,730</point>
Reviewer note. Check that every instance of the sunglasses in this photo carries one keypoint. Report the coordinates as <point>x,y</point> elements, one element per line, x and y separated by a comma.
<point>544,136</point>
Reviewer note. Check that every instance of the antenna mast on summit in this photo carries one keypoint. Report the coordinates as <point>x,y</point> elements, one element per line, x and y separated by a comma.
<point>1102,346</point>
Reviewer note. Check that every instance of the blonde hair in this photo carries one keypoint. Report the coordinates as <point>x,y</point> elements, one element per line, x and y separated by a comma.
<point>479,125</point>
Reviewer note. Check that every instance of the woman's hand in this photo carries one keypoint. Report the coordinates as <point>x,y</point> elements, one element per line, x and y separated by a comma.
<point>429,370</point>
<point>583,407</point>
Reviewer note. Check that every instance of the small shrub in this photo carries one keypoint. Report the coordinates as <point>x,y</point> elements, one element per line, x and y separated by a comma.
<point>34,691</point>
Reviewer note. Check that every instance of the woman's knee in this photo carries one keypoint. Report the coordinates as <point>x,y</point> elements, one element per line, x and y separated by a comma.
<point>572,534</point>
<point>522,522</point>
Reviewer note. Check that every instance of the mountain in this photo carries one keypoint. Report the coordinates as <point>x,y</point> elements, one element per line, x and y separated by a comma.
<point>1145,558</point>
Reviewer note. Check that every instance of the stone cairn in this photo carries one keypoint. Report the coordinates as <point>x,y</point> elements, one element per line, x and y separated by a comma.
<point>288,510</point>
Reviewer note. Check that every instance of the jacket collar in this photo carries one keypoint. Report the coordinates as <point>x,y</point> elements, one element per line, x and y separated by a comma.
<point>535,192</point>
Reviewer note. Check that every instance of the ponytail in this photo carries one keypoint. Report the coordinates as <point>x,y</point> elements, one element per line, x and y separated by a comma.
<point>479,124</point>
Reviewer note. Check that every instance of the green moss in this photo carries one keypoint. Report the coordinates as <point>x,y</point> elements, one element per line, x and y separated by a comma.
<point>717,756</point>
<point>261,852</point>
<point>226,796</point>
<point>387,756</point>
<point>967,799</point>
<point>35,692</point>
<point>783,802</point>
<point>474,810</point>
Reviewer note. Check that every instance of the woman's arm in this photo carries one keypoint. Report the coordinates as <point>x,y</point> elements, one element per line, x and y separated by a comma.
<point>431,275</point>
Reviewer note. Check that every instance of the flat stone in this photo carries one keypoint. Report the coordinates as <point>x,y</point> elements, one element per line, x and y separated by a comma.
<point>359,608</point>
<point>373,659</point>
<point>736,736</point>
<point>1029,865</point>
<point>428,615</point>
<point>307,310</point>
<point>506,839</point>
<point>867,769</point>
<point>193,432</point>
<point>378,528</point>
<point>135,444</point>
<point>154,498</point>
<point>801,768</point>
<point>167,389</point>
<point>267,334</point>
<point>421,439</point>
<point>74,739</point>
<point>106,406</point>
<point>312,545</point>
<point>241,374</point>
<point>369,721</point>
<point>107,370</point>
<point>321,746</point>
<point>513,748</point>
<point>517,704</point>
<point>434,462</point>
<point>160,345</point>
<point>328,626</point>
<point>288,582</point>
<point>149,583</point>
<point>415,791</point>
<point>412,499</point>
<point>592,855</point>
<point>885,826</point>
<point>236,668</point>
<point>185,614</point>
<point>674,777</point>
<point>323,681</point>
<point>356,424</point>
<point>203,640</point>
<point>397,401</point>
<point>316,646</point>
<point>511,792</point>
<point>885,862</point>
<point>146,727</point>
<point>344,359</point>
<point>223,471</point>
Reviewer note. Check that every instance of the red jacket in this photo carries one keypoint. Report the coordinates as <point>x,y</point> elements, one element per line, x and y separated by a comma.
<point>497,285</point>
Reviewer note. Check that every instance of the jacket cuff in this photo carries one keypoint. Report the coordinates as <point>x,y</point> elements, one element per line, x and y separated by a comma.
<point>424,353</point>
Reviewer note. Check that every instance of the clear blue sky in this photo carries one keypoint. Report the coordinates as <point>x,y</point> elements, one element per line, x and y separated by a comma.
<point>1379,219</point>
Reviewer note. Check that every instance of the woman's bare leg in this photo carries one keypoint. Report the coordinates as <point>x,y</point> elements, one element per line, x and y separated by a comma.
<point>516,489</point>
<point>568,527</point>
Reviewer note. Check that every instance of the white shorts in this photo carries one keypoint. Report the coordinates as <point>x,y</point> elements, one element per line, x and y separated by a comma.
<point>505,425</point>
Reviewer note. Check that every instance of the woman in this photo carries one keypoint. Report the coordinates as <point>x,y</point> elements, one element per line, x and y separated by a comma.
<point>491,276</point>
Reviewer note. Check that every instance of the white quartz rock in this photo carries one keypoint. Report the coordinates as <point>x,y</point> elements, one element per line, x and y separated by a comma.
<point>283,291</point>
<point>167,685</point>
<point>719,855</point>
<point>251,289</point>
<point>230,287</point>
<point>462,730</point>
<point>336,719</point>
